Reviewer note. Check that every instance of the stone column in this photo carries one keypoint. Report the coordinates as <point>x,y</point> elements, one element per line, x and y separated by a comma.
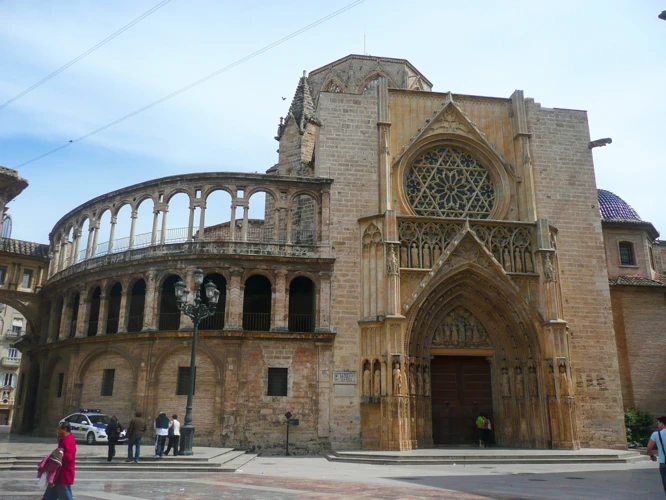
<point>202,222</point>
<point>153,236</point>
<point>163,236</point>
<point>103,312</point>
<point>190,224</point>
<point>95,238</point>
<point>234,310</point>
<point>112,234</point>
<point>246,210</point>
<point>290,214</point>
<point>91,237</point>
<point>134,216</point>
<point>150,305</point>
<point>324,323</point>
<point>123,314</point>
<point>232,221</point>
<point>77,242</point>
<point>66,317</point>
<point>276,224</point>
<point>54,326</point>
<point>280,300</point>
<point>81,323</point>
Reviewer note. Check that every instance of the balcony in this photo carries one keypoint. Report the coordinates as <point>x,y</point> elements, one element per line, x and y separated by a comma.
<point>11,362</point>
<point>13,333</point>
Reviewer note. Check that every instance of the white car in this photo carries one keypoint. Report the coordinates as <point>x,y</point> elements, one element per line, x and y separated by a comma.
<point>90,426</point>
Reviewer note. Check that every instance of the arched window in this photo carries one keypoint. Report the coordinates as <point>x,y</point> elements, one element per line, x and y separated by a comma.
<point>447,182</point>
<point>257,304</point>
<point>55,334</point>
<point>169,313</point>
<point>216,321</point>
<point>137,302</point>
<point>93,322</point>
<point>627,257</point>
<point>114,308</point>
<point>301,305</point>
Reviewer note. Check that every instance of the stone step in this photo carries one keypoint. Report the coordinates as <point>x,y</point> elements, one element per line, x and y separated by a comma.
<point>474,459</point>
<point>238,462</point>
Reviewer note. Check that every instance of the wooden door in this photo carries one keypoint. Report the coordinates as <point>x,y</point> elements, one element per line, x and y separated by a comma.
<point>461,389</point>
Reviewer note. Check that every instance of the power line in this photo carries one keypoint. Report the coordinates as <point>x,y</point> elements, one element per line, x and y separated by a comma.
<point>198,82</point>
<point>86,53</point>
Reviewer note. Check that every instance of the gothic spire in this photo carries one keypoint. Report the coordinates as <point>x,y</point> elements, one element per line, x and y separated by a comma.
<point>302,109</point>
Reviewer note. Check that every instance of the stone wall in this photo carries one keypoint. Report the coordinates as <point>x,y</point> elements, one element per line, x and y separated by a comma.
<point>566,195</point>
<point>347,152</point>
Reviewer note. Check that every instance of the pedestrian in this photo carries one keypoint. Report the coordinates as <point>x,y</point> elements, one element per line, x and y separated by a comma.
<point>658,438</point>
<point>135,430</point>
<point>161,433</point>
<point>113,430</point>
<point>174,435</point>
<point>487,432</point>
<point>481,430</point>
<point>61,488</point>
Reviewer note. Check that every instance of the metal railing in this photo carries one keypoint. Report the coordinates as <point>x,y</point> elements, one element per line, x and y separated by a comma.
<point>135,323</point>
<point>214,322</point>
<point>12,334</point>
<point>258,322</point>
<point>180,235</point>
<point>169,321</point>
<point>301,323</point>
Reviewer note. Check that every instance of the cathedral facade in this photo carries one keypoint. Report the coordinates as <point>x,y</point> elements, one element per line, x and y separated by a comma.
<point>423,257</point>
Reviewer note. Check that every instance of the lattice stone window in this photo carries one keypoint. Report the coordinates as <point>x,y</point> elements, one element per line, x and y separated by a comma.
<point>447,182</point>
<point>332,87</point>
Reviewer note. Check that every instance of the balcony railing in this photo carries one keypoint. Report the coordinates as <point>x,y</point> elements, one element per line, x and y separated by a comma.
<point>11,362</point>
<point>135,323</point>
<point>214,322</point>
<point>301,323</point>
<point>169,321</point>
<point>258,322</point>
<point>12,334</point>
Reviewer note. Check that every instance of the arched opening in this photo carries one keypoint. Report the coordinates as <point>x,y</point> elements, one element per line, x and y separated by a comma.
<point>216,321</point>
<point>122,229</point>
<point>177,218</point>
<point>83,241</point>
<point>257,229</point>
<point>115,296</point>
<point>169,313</point>
<point>301,305</point>
<point>95,301</point>
<point>257,304</point>
<point>217,216</point>
<point>136,306</point>
<point>103,232</point>
<point>75,315</point>
<point>143,227</point>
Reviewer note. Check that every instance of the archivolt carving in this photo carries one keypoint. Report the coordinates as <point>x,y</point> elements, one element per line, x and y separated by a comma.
<point>372,235</point>
<point>460,328</point>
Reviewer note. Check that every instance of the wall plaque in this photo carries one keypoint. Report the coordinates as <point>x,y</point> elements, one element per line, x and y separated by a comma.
<point>344,377</point>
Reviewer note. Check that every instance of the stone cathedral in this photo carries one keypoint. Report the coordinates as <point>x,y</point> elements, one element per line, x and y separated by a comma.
<point>424,256</point>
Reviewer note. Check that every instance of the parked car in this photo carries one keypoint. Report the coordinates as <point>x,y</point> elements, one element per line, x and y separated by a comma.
<point>90,426</point>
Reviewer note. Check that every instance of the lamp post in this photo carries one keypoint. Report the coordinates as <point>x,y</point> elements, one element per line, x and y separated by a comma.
<point>197,311</point>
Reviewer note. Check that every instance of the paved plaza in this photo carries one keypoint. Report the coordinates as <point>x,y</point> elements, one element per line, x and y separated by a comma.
<point>280,477</point>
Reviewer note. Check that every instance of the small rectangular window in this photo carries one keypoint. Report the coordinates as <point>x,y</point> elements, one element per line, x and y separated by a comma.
<point>107,382</point>
<point>183,383</point>
<point>3,273</point>
<point>8,380</point>
<point>627,253</point>
<point>61,381</point>
<point>12,352</point>
<point>277,381</point>
<point>27,278</point>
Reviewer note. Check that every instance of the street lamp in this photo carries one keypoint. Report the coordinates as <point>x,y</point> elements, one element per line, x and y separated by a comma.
<point>197,311</point>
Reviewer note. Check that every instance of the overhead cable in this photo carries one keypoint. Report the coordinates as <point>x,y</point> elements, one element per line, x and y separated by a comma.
<point>194,84</point>
<point>86,53</point>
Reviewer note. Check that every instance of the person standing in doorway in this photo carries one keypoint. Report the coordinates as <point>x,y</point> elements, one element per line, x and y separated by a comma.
<point>174,435</point>
<point>658,438</point>
<point>161,433</point>
<point>135,432</point>
<point>62,488</point>
<point>481,429</point>
<point>113,430</point>
<point>487,432</point>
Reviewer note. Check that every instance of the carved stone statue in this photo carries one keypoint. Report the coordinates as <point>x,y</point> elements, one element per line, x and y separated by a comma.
<point>454,335</point>
<point>533,383</point>
<point>419,383</point>
<point>426,382</point>
<point>447,334</point>
<point>475,335</point>
<point>506,387</point>
<point>426,256</point>
<point>520,383</point>
<point>565,387</point>
<point>437,337</point>
<point>397,380</point>
<point>377,386</point>
<point>392,266</point>
<point>460,326</point>
<point>366,382</point>
<point>548,268</point>
<point>414,256</point>
<point>412,382</point>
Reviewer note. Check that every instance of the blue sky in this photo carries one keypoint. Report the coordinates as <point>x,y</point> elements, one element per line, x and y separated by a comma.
<point>604,57</point>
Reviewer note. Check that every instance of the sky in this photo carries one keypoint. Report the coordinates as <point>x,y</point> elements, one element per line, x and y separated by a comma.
<point>608,58</point>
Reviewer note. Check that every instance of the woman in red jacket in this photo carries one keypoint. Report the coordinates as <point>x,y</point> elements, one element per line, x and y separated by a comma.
<point>62,488</point>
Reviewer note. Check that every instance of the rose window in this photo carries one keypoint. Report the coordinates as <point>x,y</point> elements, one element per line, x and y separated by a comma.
<point>447,182</point>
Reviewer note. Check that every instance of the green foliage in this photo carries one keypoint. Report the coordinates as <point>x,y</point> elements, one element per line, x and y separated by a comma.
<point>639,426</point>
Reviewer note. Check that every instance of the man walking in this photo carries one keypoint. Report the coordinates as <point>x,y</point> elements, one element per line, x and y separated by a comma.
<point>174,435</point>
<point>161,432</point>
<point>659,438</point>
<point>62,488</point>
<point>135,432</point>
<point>113,430</point>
